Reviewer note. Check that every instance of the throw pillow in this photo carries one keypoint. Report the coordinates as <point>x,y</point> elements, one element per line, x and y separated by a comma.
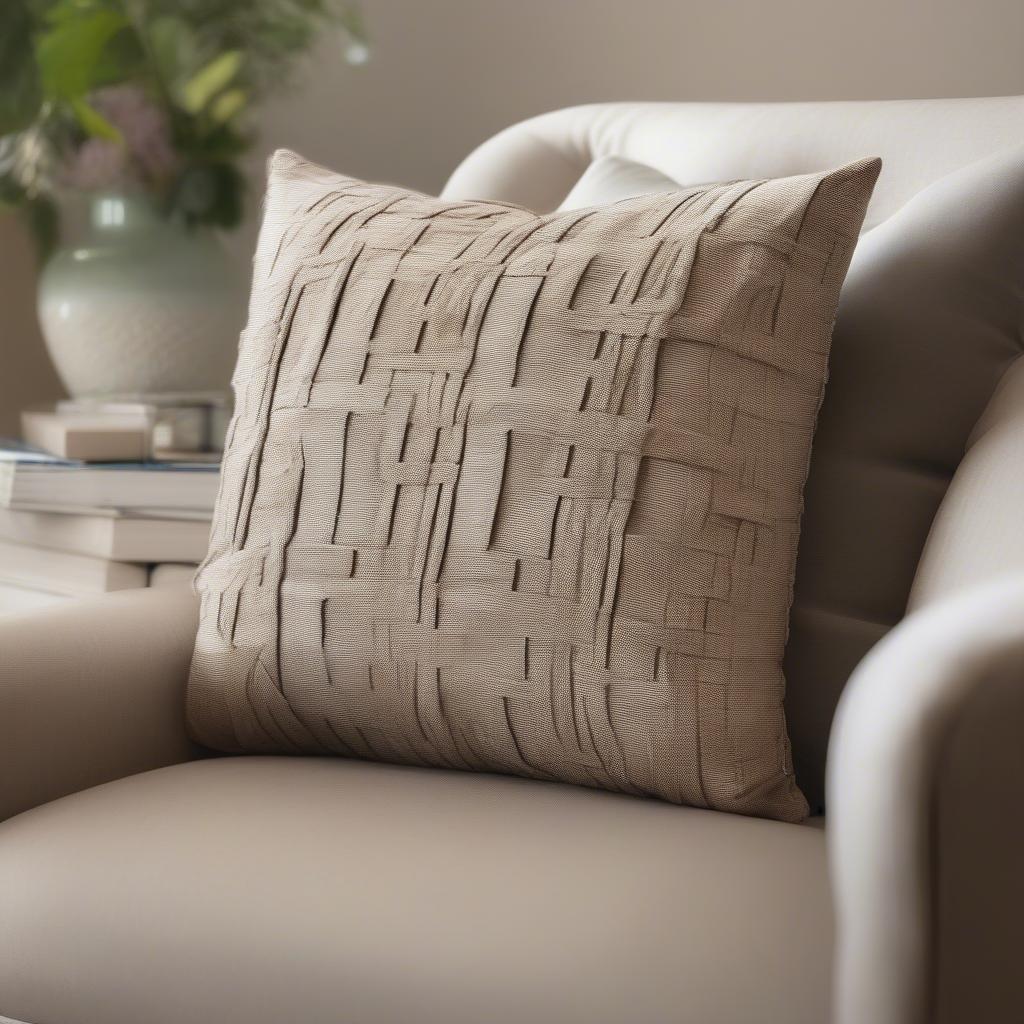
<point>521,493</point>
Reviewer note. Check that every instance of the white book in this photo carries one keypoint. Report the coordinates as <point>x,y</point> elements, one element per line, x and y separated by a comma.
<point>63,573</point>
<point>117,537</point>
<point>32,478</point>
<point>184,421</point>
<point>135,399</point>
<point>90,437</point>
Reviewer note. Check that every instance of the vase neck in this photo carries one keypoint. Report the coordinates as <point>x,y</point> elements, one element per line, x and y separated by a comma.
<point>123,213</point>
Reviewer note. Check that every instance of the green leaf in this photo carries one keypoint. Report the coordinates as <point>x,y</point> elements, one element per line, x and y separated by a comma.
<point>40,217</point>
<point>67,10</point>
<point>20,90</point>
<point>70,53</point>
<point>172,42</point>
<point>227,105</point>
<point>206,83</point>
<point>12,195</point>
<point>209,193</point>
<point>94,123</point>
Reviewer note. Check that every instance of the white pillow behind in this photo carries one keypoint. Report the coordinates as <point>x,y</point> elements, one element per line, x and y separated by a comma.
<point>612,178</point>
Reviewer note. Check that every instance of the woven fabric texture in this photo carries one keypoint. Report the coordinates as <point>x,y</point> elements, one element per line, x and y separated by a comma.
<point>521,493</point>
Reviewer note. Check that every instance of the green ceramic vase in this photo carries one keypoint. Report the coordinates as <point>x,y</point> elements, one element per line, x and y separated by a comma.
<point>142,305</point>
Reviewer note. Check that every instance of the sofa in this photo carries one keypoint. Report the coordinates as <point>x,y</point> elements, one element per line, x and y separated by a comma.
<point>143,879</point>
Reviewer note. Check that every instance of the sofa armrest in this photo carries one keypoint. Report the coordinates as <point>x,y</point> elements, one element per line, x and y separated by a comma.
<point>92,691</point>
<point>976,536</point>
<point>926,817</point>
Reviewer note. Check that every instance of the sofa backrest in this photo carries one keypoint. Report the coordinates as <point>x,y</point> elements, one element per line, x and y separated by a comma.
<point>536,162</point>
<point>896,418</point>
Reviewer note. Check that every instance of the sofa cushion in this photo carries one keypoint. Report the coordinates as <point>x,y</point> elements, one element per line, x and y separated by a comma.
<point>522,493</point>
<point>258,890</point>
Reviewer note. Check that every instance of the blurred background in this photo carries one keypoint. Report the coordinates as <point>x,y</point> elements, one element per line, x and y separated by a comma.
<point>443,75</point>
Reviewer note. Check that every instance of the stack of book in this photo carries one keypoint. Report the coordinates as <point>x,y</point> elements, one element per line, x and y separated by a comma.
<point>107,495</point>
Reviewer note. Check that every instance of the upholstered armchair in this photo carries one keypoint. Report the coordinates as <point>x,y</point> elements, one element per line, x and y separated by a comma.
<point>143,879</point>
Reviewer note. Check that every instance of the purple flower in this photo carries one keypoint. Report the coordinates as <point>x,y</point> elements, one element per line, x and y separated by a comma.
<point>145,156</point>
<point>98,164</point>
<point>143,125</point>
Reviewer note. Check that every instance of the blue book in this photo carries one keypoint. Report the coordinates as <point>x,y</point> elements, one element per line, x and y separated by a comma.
<point>32,478</point>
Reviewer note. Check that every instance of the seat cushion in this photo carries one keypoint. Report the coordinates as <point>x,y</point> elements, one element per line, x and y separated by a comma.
<point>260,889</point>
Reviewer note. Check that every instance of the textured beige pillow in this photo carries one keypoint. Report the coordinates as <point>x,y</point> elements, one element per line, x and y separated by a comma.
<point>521,493</point>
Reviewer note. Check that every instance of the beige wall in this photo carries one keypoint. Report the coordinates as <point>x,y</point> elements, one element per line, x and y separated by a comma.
<point>448,73</point>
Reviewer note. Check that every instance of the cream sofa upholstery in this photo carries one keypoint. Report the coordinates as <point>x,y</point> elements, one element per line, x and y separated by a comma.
<point>141,880</point>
